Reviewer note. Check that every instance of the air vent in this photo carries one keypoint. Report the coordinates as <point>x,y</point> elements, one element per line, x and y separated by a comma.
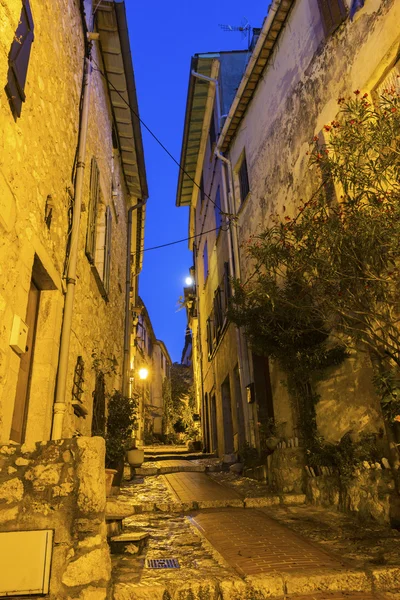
<point>162,563</point>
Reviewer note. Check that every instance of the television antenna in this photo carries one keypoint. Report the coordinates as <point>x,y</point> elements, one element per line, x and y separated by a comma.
<point>245,28</point>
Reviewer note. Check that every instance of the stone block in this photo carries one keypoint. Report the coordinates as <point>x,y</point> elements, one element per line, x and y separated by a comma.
<point>91,475</point>
<point>93,593</point>
<point>233,589</point>
<point>386,578</point>
<point>293,499</point>
<point>44,475</point>
<point>22,462</point>
<point>333,580</point>
<point>126,591</point>
<point>260,502</point>
<point>88,568</point>
<point>265,586</point>
<point>8,514</point>
<point>12,490</point>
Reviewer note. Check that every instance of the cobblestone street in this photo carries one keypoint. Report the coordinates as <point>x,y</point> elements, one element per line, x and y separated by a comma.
<point>280,548</point>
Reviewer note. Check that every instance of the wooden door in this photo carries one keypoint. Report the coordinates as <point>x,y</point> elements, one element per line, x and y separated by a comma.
<point>25,369</point>
<point>227,416</point>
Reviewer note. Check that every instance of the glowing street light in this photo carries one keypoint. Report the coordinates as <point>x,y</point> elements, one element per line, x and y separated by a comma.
<point>189,281</point>
<point>143,373</point>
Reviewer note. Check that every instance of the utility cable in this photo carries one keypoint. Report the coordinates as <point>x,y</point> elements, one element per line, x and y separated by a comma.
<point>151,132</point>
<point>184,239</point>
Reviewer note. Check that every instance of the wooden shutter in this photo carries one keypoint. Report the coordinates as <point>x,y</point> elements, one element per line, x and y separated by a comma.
<point>18,59</point>
<point>243,180</point>
<point>209,336</point>
<point>92,216</point>
<point>333,13</point>
<point>218,316</point>
<point>217,209</point>
<point>107,253</point>
<point>227,286</point>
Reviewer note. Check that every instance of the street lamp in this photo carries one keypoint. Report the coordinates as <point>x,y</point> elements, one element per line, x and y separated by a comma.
<point>143,373</point>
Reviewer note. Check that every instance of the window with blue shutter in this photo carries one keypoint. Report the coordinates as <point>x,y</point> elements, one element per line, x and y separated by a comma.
<point>18,60</point>
<point>217,210</point>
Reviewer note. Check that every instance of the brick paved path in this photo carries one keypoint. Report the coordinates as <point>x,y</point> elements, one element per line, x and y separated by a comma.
<point>253,543</point>
<point>189,487</point>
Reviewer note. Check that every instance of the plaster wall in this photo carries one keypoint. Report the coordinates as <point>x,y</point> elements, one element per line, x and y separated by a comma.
<point>297,94</point>
<point>37,160</point>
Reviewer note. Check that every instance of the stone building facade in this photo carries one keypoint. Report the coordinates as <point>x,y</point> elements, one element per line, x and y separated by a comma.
<point>153,356</point>
<point>251,162</point>
<point>38,180</point>
<point>72,211</point>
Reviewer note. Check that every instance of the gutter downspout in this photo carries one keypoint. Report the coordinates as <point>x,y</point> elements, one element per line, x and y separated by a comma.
<point>234,259</point>
<point>59,406</point>
<point>217,93</point>
<point>126,365</point>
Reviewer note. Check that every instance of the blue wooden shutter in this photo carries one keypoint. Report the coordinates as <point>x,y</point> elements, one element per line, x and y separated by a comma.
<point>18,59</point>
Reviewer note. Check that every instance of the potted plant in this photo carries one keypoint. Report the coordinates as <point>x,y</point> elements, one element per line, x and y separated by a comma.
<point>135,455</point>
<point>120,424</point>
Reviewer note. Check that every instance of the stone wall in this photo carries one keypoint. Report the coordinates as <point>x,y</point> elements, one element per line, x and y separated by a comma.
<point>369,494</point>
<point>60,485</point>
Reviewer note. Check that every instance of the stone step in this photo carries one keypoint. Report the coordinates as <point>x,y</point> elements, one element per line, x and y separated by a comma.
<point>130,542</point>
<point>155,457</point>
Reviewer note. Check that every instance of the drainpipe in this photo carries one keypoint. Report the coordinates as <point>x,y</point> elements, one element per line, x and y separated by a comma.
<point>59,407</point>
<point>217,94</point>
<point>126,366</point>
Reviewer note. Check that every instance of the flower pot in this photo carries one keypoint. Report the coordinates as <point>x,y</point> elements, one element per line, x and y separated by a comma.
<point>135,457</point>
<point>272,442</point>
<point>109,478</point>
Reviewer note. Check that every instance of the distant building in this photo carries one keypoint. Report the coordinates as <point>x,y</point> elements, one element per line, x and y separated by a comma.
<point>152,355</point>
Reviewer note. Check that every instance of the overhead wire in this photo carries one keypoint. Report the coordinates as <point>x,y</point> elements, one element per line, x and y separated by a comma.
<point>152,134</point>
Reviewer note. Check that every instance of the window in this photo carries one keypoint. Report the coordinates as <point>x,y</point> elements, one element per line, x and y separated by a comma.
<point>18,60</point>
<point>210,335</point>
<point>94,199</point>
<point>226,286</point>
<point>333,12</point>
<point>217,209</point>
<point>202,192</point>
<point>213,133</point>
<point>99,233</point>
<point>218,313</point>
<point>205,261</point>
<point>243,180</point>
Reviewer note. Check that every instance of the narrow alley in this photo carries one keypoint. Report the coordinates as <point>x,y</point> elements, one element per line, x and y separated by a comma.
<point>199,299</point>
<point>216,535</point>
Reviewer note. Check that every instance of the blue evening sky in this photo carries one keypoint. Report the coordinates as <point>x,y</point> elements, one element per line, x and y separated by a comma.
<point>164,34</point>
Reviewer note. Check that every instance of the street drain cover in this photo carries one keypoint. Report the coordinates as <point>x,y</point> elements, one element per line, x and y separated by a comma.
<point>162,563</point>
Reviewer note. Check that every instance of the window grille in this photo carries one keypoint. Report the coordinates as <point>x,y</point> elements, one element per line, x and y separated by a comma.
<point>77,388</point>
<point>243,180</point>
